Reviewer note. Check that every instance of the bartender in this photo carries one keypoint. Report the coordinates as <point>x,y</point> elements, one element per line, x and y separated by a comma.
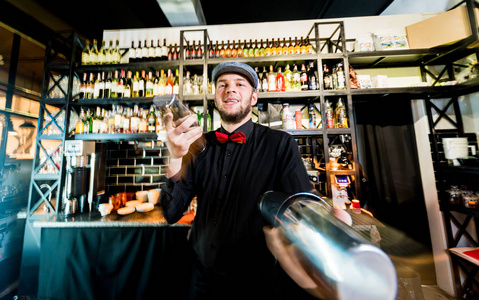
<point>241,161</point>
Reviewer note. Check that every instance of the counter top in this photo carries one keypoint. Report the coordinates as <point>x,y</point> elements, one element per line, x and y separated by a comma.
<point>152,218</point>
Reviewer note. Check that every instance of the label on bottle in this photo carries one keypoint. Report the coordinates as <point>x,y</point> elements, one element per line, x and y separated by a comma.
<point>85,58</point>
<point>136,86</point>
<point>127,92</point>
<point>329,118</point>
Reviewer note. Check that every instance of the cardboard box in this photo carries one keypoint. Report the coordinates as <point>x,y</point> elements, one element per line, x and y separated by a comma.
<point>441,30</point>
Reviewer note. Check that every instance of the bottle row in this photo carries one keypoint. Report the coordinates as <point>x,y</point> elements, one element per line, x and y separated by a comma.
<point>335,118</point>
<point>120,119</point>
<point>91,55</point>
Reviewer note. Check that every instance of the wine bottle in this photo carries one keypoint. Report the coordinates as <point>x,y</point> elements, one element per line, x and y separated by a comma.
<point>280,83</point>
<point>132,53</point>
<point>164,51</point>
<point>120,91</point>
<point>107,80</point>
<point>85,55</point>
<point>141,84</point>
<point>128,85</point>
<point>94,53</point>
<point>139,53</point>
<point>149,85</point>
<point>304,78</point>
<point>109,54</point>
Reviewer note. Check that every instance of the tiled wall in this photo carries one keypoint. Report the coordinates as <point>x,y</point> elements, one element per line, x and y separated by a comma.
<point>133,166</point>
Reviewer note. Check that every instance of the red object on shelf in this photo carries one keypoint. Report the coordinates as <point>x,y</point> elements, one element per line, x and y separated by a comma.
<point>472,253</point>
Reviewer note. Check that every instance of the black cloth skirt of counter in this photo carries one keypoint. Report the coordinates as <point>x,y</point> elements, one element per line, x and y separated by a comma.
<point>115,263</point>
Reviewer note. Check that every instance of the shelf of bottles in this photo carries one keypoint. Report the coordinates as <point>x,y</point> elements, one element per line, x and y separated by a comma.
<point>292,70</point>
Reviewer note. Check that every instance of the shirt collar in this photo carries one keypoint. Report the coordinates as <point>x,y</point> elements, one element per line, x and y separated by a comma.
<point>246,128</point>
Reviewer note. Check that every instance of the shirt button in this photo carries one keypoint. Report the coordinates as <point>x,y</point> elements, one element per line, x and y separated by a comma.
<point>228,153</point>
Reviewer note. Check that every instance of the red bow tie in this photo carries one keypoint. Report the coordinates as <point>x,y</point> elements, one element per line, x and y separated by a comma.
<point>237,137</point>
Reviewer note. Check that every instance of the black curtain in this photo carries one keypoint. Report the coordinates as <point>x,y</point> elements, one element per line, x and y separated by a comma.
<point>388,156</point>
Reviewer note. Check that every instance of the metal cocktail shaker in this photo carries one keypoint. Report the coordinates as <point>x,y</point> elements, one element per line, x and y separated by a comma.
<point>345,264</point>
<point>180,110</point>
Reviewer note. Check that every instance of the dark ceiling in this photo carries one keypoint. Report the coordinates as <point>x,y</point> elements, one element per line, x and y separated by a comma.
<point>91,17</point>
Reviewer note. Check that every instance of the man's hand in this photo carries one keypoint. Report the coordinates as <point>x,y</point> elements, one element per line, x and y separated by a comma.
<point>180,135</point>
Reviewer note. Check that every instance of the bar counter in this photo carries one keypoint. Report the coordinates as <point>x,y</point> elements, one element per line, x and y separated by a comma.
<point>135,256</point>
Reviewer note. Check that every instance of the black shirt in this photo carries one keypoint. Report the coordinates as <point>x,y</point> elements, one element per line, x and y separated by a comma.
<point>228,180</point>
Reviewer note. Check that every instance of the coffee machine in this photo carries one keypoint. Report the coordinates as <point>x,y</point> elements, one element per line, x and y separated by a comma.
<point>85,175</point>
<point>339,189</point>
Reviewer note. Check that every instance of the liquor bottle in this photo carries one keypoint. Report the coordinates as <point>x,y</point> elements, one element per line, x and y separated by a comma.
<point>304,78</point>
<point>156,82</point>
<point>98,87</point>
<point>290,47</point>
<point>341,77</point>
<point>109,54</point>
<point>309,46</point>
<point>107,89</point>
<point>327,80</point>
<point>134,120</point>
<point>145,52</point>
<point>285,47</point>
<point>96,120</point>
<point>126,118</point>
<point>143,125</point>
<point>135,85</point>
<point>287,117</point>
<point>119,119</point>
<point>102,54</point>
<point>171,53</point>
<point>267,49</point>
<point>245,49</point>
<point>273,48</point>
<point>334,78</point>
<point>302,47</point>
<point>222,50</point>
<point>120,90</point>
<point>132,53</point>
<point>280,82</point>
<point>104,121</point>
<point>164,51</point>
<point>288,79</point>
<point>83,86</point>
<point>193,51</point>
<point>217,50</point>
<point>128,85</point>
<point>261,51</point>
<point>256,49</point>
<point>111,120</point>
<point>151,51</point>
<point>139,53</point>
<point>116,55</point>
<point>159,126</point>
<point>251,48</point>
<point>211,50</point>
<point>228,49</point>
<point>88,127</point>
<point>271,80</point>
<point>195,85</point>
<point>162,83</point>
<point>89,87</point>
<point>85,55</point>
<point>239,49</point>
<point>176,83</point>
<point>79,126</point>
<point>329,115</point>
<point>187,50</point>
<point>187,86</point>
<point>340,115</point>
<point>234,50</point>
<point>199,52</point>
<point>158,51</point>
<point>114,85</point>
<point>94,53</point>
<point>312,82</point>
<point>312,116</point>
<point>297,47</point>
<point>141,84</point>
<point>296,79</point>
<point>149,85</point>
<point>264,81</point>
<point>169,83</point>
<point>151,119</point>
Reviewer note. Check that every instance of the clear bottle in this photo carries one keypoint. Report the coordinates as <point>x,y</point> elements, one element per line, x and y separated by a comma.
<point>135,120</point>
<point>102,54</point>
<point>116,55</point>
<point>187,85</point>
<point>143,126</point>
<point>287,117</point>
<point>329,115</point>
<point>114,85</point>
<point>94,53</point>
<point>126,118</point>
<point>176,83</point>
<point>271,80</point>
<point>151,119</point>
<point>119,119</point>
<point>296,79</point>
<point>135,85</point>
<point>327,80</point>
<point>341,117</point>
<point>341,77</point>
<point>264,80</point>
<point>149,85</point>
<point>132,53</point>
<point>162,83</point>
<point>79,126</point>
<point>169,83</point>
<point>141,84</point>
<point>85,55</point>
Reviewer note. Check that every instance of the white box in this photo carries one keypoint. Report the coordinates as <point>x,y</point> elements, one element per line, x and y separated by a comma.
<point>380,81</point>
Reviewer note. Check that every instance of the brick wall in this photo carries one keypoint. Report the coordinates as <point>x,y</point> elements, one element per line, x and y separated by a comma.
<point>135,166</point>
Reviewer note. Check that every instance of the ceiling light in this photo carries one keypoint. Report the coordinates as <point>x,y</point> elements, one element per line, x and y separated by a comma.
<point>183,12</point>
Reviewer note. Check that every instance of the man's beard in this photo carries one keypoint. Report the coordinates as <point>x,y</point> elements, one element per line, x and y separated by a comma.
<point>236,117</point>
